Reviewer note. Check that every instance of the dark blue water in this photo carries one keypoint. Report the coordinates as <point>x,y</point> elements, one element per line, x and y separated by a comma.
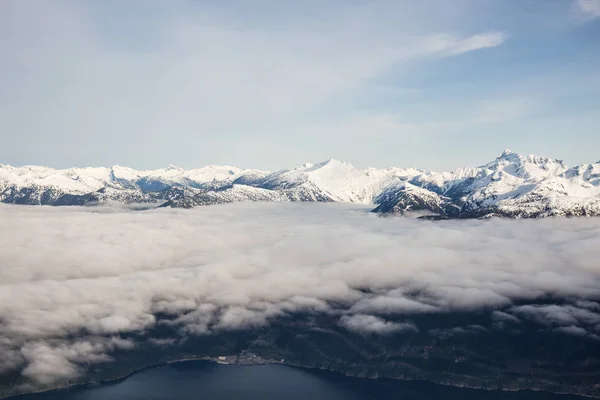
<point>200,380</point>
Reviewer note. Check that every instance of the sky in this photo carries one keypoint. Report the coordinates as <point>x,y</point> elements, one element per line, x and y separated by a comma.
<point>434,84</point>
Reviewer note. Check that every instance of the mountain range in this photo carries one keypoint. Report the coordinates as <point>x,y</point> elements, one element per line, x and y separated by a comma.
<point>512,185</point>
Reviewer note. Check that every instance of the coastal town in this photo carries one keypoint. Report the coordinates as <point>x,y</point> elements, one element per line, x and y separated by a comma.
<point>244,358</point>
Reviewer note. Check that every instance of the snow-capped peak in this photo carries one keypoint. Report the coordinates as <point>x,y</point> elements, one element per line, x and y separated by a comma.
<point>85,180</point>
<point>506,153</point>
<point>511,181</point>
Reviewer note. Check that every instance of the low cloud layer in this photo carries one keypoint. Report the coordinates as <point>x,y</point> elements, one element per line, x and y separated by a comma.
<point>73,281</point>
<point>371,324</point>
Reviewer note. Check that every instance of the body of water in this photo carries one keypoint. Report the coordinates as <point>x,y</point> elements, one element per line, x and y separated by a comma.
<point>202,380</point>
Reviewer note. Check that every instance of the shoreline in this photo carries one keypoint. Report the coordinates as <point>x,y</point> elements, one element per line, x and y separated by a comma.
<point>215,360</point>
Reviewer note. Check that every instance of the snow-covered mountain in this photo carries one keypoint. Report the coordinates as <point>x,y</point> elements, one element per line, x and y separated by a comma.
<point>512,185</point>
<point>337,180</point>
<point>49,186</point>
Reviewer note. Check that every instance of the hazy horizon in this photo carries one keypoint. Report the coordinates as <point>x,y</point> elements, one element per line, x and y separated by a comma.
<point>398,165</point>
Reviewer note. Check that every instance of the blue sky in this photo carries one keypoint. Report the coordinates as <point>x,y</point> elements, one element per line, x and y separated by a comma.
<point>435,84</point>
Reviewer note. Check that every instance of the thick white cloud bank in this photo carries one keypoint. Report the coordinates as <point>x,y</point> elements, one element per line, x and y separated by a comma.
<point>73,279</point>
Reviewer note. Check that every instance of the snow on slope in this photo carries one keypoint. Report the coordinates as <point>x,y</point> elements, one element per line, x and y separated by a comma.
<point>513,176</point>
<point>589,173</point>
<point>407,197</point>
<point>508,176</point>
<point>79,180</point>
<point>511,184</point>
<point>85,180</point>
<point>340,180</point>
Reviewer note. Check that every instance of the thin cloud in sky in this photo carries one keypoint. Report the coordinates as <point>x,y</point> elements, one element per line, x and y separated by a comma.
<point>590,8</point>
<point>480,41</point>
<point>204,72</point>
<point>378,125</point>
<point>149,83</point>
<point>206,62</point>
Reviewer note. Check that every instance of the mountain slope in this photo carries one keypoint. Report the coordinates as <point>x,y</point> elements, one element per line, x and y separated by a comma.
<point>338,180</point>
<point>512,185</point>
<point>41,185</point>
<point>408,197</point>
